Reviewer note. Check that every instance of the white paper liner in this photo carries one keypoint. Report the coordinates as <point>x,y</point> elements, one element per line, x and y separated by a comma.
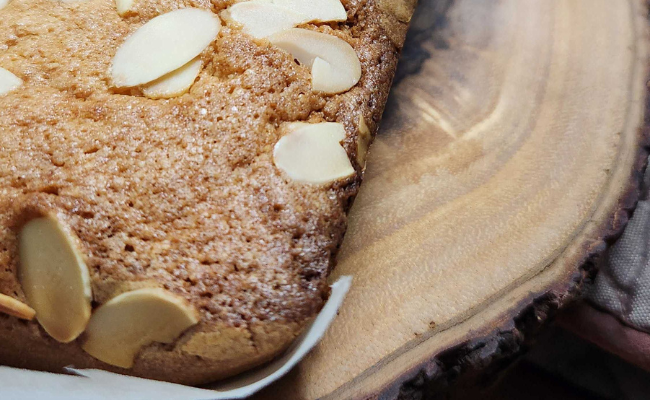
<point>93,384</point>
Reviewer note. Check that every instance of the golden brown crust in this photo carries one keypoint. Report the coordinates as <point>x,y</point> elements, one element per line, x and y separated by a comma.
<point>179,193</point>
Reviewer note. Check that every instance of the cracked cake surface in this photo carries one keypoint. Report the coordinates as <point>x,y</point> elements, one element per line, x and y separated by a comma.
<point>182,193</point>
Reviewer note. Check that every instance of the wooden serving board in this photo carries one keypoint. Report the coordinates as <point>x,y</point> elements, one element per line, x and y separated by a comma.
<point>507,159</point>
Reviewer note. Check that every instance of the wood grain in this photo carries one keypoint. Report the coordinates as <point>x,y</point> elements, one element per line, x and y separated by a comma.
<point>507,158</point>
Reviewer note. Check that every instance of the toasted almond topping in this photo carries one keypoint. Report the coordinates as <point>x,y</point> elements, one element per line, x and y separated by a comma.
<point>363,141</point>
<point>124,6</point>
<point>8,81</point>
<point>121,327</point>
<point>261,19</point>
<point>11,306</point>
<point>174,83</point>
<point>334,64</point>
<point>313,11</point>
<point>54,277</point>
<point>162,45</point>
<point>312,153</point>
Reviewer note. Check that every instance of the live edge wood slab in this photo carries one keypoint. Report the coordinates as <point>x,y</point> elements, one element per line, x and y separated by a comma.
<point>508,160</point>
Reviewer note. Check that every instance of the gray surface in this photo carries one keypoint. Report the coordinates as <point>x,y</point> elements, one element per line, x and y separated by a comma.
<point>622,286</point>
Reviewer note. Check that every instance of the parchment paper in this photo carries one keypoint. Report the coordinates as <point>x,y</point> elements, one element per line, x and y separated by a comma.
<point>92,384</point>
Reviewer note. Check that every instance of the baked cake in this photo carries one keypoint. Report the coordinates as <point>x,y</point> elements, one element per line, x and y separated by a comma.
<point>175,174</point>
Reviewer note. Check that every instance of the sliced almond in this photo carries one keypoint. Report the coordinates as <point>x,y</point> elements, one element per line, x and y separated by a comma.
<point>163,45</point>
<point>121,327</point>
<point>174,83</point>
<point>124,6</point>
<point>313,11</point>
<point>8,81</point>
<point>363,141</point>
<point>54,277</point>
<point>334,64</point>
<point>312,153</point>
<point>261,19</point>
<point>11,306</point>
